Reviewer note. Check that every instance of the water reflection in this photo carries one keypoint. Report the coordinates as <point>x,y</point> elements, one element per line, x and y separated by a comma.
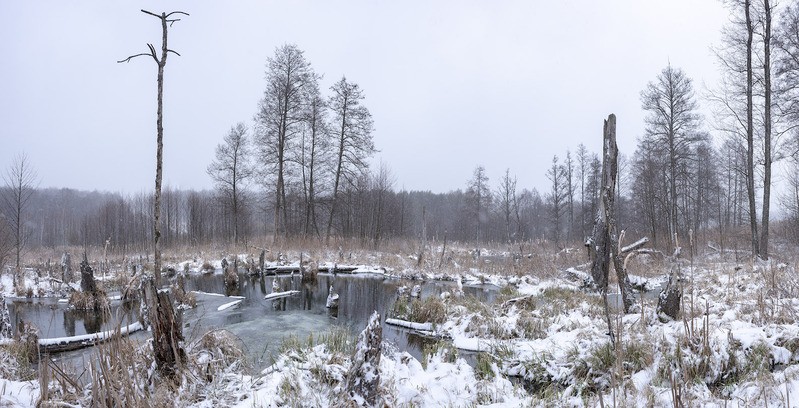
<point>260,324</point>
<point>263,324</point>
<point>54,319</point>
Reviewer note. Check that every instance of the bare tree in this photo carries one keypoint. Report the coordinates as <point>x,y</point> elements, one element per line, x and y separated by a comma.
<point>167,334</point>
<point>20,180</point>
<point>231,169</point>
<point>672,123</point>
<point>767,130</point>
<point>568,174</point>
<point>582,171</point>
<point>508,202</point>
<point>353,144</point>
<point>160,61</point>
<point>281,114</point>
<point>786,41</point>
<point>478,199</point>
<point>557,199</point>
<point>314,156</point>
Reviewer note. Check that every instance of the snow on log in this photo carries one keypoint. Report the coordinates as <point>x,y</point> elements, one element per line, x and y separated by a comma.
<point>216,294</point>
<point>279,295</point>
<point>60,344</point>
<point>428,327</point>
<point>635,245</point>
<point>229,305</point>
<point>471,344</point>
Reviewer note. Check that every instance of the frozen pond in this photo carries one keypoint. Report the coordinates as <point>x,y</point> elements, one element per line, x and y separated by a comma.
<point>260,324</point>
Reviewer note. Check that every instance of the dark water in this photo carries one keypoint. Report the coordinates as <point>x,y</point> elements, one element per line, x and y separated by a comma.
<point>260,324</point>
<point>54,319</point>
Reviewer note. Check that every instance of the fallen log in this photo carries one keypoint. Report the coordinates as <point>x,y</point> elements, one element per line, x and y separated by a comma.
<point>229,305</point>
<point>279,295</point>
<point>62,344</point>
<point>287,269</point>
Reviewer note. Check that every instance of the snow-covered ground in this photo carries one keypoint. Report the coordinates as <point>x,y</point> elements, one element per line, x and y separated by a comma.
<point>544,342</point>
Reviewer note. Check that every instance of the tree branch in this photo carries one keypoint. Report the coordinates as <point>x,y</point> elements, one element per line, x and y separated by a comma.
<point>134,56</point>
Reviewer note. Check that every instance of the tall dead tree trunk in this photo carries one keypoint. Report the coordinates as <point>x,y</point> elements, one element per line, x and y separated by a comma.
<point>604,245</point>
<point>166,333</point>
<point>601,243</point>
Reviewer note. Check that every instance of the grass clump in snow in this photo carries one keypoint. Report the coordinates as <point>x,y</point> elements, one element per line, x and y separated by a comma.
<point>15,362</point>
<point>444,350</point>
<point>336,340</point>
<point>430,310</point>
<point>484,369</point>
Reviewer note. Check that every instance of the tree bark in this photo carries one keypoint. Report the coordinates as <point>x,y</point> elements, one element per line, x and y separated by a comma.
<point>750,135</point>
<point>604,246</point>
<point>601,246</point>
<point>767,159</point>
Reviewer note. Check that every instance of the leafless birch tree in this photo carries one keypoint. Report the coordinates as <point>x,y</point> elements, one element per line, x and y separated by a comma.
<point>230,170</point>
<point>352,125</point>
<point>279,122</point>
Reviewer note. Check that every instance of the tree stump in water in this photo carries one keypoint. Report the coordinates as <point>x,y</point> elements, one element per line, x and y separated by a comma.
<point>167,333</point>
<point>87,283</point>
<point>363,379</point>
<point>89,297</point>
<point>66,268</point>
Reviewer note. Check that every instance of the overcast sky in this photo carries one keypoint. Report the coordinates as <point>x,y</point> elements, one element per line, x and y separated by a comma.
<point>451,84</point>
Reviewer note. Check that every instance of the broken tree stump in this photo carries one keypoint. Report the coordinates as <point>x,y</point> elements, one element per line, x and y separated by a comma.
<point>167,332</point>
<point>670,297</point>
<point>363,379</point>
<point>66,268</point>
<point>87,283</point>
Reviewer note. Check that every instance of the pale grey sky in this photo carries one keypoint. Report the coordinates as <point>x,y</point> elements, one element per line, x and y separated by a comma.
<point>451,84</point>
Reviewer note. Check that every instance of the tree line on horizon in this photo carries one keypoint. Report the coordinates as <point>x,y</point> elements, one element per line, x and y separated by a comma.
<point>300,170</point>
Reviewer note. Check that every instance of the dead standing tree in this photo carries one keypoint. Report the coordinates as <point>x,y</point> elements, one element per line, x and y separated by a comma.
<point>604,247</point>
<point>166,330</point>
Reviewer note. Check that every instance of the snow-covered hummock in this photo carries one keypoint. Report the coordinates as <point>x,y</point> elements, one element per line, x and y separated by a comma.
<point>363,378</point>
<point>22,394</point>
<point>416,291</point>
